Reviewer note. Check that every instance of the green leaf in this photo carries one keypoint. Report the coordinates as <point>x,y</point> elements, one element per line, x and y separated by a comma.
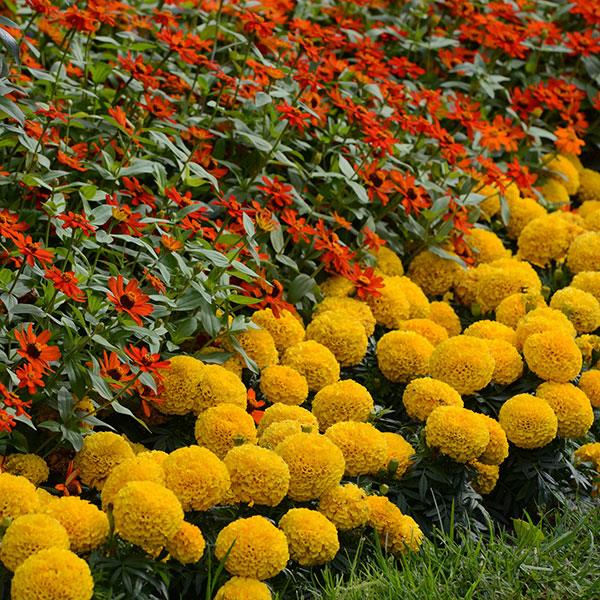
<point>300,286</point>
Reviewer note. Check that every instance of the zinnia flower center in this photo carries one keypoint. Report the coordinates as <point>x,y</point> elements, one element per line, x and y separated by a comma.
<point>127,300</point>
<point>34,350</point>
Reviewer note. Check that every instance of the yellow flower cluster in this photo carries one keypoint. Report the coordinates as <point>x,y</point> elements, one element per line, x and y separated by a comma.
<point>584,253</point>
<point>434,274</point>
<point>403,355</point>
<point>486,245</point>
<point>281,384</point>
<point>218,385</point>
<point>285,329</point>
<point>259,346</point>
<point>429,329</point>
<point>391,306</point>
<point>397,532</point>
<point>276,432</point>
<point>443,314</point>
<point>181,383</point>
<point>553,355</point>
<point>529,422</point>
<point>400,453</point>
<point>243,588</point>
<point>353,308</point>
<point>315,362</point>
<point>345,506</point>
<point>580,307</point>
<point>421,396</point>
<point>589,384</point>
<point>30,466</point>
<point>285,412</point>
<point>344,400</point>
<point>17,496</point>
<point>187,545</point>
<point>571,407</point>
<point>388,262</point>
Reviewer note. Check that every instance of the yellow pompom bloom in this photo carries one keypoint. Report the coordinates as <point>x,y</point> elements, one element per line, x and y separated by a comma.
<point>147,514</point>
<point>508,364</point>
<point>443,314</point>
<point>514,307</point>
<point>588,453</point>
<point>417,300</point>
<point>285,412</point>
<point>142,467</point>
<point>529,422</point>
<point>486,477</point>
<point>398,533</point>
<point>588,281</point>
<point>219,428</point>
<point>218,385</point>
<point>592,221</point>
<point>588,207</point>
<point>337,286</point>
<point>571,407</point>
<point>258,475</point>
<point>53,574</point>
<point>588,344</point>
<point>584,253</point>
<point>589,384</point>
<point>100,454</point>
<point>492,330</point>
<point>434,274</point>
<point>312,538</point>
<point>187,545</point>
<point>285,329</point>
<point>399,453</point>
<point>554,193</point>
<point>464,362</point>
<point>29,534</point>
<point>180,384</point>
<point>30,466</point>
<point>553,355</point>
<point>544,239</point>
<point>581,308</point>
<point>543,319</point>
<point>490,205</point>
<point>429,329</point>
<point>403,355</point>
<point>563,171</point>
<point>364,447</point>
<point>243,588</point>
<point>345,338</point>
<point>86,524</point>
<point>316,465</point>
<point>197,477</point>
<point>465,289</point>
<point>45,498</point>
<point>589,187</point>
<point>497,449</point>
<point>423,395</point>
<point>345,506</point>
<point>355,309</point>
<point>315,362</point>
<point>574,160</point>
<point>344,400</point>
<point>235,363</point>
<point>276,432</point>
<point>457,432</point>
<point>522,211</point>
<point>259,345</point>
<point>17,496</point>
<point>391,307</point>
<point>388,262</point>
<point>257,549</point>
<point>486,245</point>
<point>284,385</point>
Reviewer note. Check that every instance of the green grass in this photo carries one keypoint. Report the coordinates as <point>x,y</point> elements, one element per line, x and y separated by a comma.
<point>558,558</point>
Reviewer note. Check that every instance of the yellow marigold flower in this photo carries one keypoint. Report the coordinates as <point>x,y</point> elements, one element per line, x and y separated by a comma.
<point>17,496</point>
<point>429,329</point>
<point>58,573</point>
<point>284,385</point>
<point>486,245</point>
<point>29,534</point>
<point>147,514</point>
<point>86,524</point>
<point>403,355</point>
<point>486,477</point>
<point>276,432</point>
<point>344,400</point>
<point>508,364</point>
<point>398,533</point>
<point>542,319</point>
<point>316,464</point>
<point>465,288</point>
<point>571,407</point>
<point>388,262</point>
<point>198,477</point>
<point>235,363</point>
<point>158,456</point>
<point>180,385</point>
<point>219,428</point>
<point>581,308</point>
<point>243,588</point>
<point>391,307</point>
<point>30,466</point>
<point>592,221</point>
<point>492,330</point>
<point>584,253</point>
<point>589,453</point>
<point>399,453</point>
<point>522,211</point>
<point>529,422</point>
<point>457,432</point>
<point>464,362</point>
<point>286,329</point>
<point>563,171</point>
<point>260,347</point>
<point>45,498</point>
<point>490,205</point>
<point>258,475</point>
<point>364,447</point>
<point>218,385</point>
<point>544,240</point>
<point>554,192</point>
<point>443,314</point>
<point>285,412</point>
<point>354,308</point>
<point>587,344</point>
<point>337,286</point>
<point>417,300</point>
<point>553,355</point>
<point>100,454</point>
<point>345,506</point>
<point>257,549</point>
<point>142,467</point>
<point>315,362</point>
<point>589,187</point>
<point>423,395</point>
<point>574,160</point>
<point>434,274</point>
<point>588,207</point>
<point>312,538</point>
<point>589,384</point>
<point>187,545</point>
<point>345,338</point>
<point>514,307</point>
<point>497,449</point>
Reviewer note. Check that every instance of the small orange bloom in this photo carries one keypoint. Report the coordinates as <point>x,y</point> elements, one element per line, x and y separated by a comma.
<point>129,299</point>
<point>35,349</point>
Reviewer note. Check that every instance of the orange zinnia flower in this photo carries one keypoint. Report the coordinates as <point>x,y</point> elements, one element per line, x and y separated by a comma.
<point>129,299</point>
<point>31,250</point>
<point>146,360</point>
<point>111,367</point>
<point>30,376</point>
<point>35,349</point>
<point>66,283</point>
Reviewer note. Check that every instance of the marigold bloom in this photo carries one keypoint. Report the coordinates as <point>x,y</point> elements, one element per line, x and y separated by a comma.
<point>553,355</point>
<point>30,466</point>
<point>129,298</point>
<point>529,422</point>
<point>571,406</point>
<point>315,362</point>
<point>243,587</point>
<point>187,545</point>
<point>403,355</point>
<point>434,274</point>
